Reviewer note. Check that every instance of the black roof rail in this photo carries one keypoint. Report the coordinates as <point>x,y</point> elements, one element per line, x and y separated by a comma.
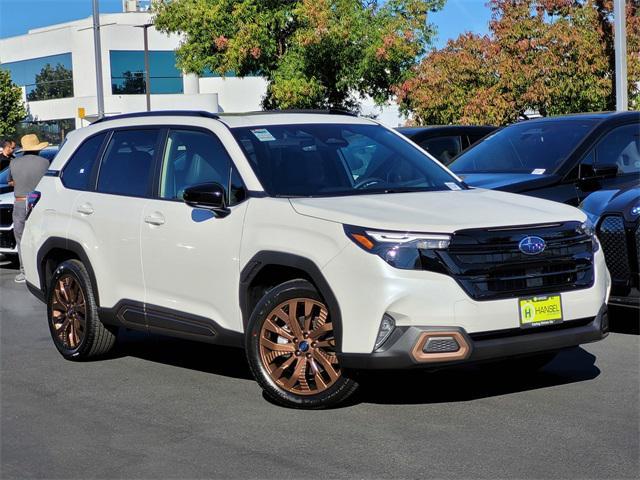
<point>165,113</point>
<point>328,111</point>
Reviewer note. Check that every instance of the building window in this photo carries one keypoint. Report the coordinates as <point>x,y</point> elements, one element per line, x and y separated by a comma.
<point>52,131</point>
<point>127,72</point>
<point>44,78</point>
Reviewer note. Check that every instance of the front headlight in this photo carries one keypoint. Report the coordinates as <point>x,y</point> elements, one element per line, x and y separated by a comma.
<point>407,251</point>
<point>588,228</point>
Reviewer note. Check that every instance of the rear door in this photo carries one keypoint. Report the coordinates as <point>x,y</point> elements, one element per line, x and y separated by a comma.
<point>110,216</point>
<point>190,256</point>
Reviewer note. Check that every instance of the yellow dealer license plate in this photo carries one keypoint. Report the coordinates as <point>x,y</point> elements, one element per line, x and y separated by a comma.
<point>539,311</point>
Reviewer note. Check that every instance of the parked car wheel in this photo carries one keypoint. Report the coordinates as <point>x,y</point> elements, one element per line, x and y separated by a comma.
<point>77,332</point>
<point>291,348</point>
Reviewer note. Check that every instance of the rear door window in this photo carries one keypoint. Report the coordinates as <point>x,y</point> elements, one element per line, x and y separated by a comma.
<point>128,163</point>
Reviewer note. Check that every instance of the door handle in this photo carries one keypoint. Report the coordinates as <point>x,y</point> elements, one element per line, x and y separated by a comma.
<point>154,219</point>
<point>85,209</point>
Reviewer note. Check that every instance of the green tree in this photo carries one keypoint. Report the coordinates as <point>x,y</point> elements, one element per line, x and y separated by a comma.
<point>549,56</point>
<point>12,109</point>
<point>313,53</point>
<point>52,82</point>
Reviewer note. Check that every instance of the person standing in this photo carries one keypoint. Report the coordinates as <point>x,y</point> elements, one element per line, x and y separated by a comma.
<point>24,173</point>
<point>6,154</point>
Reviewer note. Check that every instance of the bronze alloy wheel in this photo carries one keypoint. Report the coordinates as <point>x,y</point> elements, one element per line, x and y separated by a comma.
<point>297,347</point>
<point>68,312</point>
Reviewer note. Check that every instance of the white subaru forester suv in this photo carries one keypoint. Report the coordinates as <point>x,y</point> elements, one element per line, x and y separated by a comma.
<point>323,244</point>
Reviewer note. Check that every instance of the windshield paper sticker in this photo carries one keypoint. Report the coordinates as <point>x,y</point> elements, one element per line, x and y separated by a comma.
<point>539,171</point>
<point>263,135</point>
<point>452,186</point>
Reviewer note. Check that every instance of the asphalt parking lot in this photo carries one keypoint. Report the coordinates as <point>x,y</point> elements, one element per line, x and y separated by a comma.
<point>165,408</point>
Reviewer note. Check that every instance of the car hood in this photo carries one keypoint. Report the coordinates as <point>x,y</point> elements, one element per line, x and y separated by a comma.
<point>439,212</point>
<point>512,182</point>
<point>618,201</point>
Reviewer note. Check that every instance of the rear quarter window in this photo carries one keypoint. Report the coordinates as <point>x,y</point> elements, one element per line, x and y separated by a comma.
<point>77,172</point>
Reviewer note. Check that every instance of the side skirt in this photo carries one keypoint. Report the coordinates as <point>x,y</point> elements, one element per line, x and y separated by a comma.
<point>165,321</point>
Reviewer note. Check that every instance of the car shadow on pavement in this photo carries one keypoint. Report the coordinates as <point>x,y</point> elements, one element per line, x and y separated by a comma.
<point>203,357</point>
<point>459,384</point>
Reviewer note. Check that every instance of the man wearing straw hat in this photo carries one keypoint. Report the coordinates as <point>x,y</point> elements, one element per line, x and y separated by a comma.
<point>24,174</point>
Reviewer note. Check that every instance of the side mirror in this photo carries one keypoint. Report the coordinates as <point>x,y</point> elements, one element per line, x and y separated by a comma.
<point>211,196</point>
<point>606,170</point>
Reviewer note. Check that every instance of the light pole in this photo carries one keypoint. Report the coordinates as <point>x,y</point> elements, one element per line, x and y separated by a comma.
<point>147,77</point>
<point>98,58</point>
<point>620,44</point>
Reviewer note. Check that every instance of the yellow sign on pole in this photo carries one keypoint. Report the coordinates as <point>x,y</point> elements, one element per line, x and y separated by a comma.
<point>81,112</point>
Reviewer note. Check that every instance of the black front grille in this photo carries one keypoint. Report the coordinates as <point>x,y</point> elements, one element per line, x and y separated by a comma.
<point>7,240</point>
<point>612,236</point>
<point>489,265</point>
<point>6,214</point>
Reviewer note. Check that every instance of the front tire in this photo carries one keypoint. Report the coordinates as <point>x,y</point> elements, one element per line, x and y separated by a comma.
<point>291,349</point>
<point>75,328</point>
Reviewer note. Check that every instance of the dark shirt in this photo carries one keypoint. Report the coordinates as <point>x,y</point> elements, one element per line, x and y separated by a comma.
<point>4,161</point>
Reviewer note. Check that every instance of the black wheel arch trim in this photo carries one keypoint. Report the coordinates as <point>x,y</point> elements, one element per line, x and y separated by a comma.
<point>53,243</point>
<point>268,258</point>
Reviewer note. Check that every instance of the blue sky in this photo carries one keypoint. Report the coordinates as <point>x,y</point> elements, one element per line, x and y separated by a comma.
<point>18,16</point>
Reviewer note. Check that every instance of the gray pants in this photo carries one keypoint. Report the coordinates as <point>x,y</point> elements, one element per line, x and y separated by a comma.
<point>19,216</point>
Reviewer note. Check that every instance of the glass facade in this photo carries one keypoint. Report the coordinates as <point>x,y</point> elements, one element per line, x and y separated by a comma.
<point>52,131</point>
<point>44,78</point>
<point>127,72</point>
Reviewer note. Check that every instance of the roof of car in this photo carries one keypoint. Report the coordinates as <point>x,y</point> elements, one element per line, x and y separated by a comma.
<point>262,118</point>
<point>411,131</point>
<point>602,116</point>
<point>297,117</point>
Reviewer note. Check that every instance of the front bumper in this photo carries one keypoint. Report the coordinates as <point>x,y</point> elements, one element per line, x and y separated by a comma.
<point>402,349</point>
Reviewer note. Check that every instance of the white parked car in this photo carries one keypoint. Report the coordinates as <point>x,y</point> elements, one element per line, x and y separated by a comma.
<point>320,243</point>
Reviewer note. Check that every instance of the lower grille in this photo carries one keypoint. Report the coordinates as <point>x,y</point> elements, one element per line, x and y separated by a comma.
<point>612,235</point>
<point>7,240</point>
<point>6,215</point>
<point>489,265</point>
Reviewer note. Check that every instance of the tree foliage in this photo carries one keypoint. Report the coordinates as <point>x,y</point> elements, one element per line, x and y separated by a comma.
<point>313,53</point>
<point>12,109</point>
<point>52,82</point>
<point>549,56</point>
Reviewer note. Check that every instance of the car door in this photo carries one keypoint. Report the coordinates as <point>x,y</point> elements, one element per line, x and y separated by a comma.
<point>612,163</point>
<point>110,216</point>
<point>190,256</point>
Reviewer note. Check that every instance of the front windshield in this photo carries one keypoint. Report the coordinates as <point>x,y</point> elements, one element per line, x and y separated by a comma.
<point>536,147</point>
<point>338,159</point>
<point>4,176</point>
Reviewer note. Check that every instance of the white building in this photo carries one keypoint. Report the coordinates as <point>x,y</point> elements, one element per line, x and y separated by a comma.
<point>55,66</point>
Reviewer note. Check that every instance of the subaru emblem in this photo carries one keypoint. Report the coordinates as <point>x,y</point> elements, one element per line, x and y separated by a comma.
<point>532,245</point>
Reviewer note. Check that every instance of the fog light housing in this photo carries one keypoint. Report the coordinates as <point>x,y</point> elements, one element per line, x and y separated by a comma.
<point>387,325</point>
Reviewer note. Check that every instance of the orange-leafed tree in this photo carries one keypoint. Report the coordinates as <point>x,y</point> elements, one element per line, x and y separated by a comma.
<point>548,56</point>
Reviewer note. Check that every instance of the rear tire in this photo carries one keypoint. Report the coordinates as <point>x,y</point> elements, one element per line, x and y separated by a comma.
<point>72,313</point>
<point>296,363</point>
